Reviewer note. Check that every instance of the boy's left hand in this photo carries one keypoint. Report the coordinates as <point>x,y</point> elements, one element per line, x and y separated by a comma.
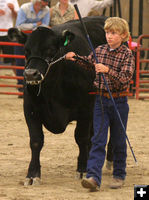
<point>100,68</point>
<point>70,56</point>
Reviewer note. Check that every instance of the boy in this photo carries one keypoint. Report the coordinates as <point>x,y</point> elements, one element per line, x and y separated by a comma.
<point>116,62</point>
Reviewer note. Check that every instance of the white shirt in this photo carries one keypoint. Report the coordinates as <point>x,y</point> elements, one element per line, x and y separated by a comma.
<point>6,21</point>
<point>85,6</point>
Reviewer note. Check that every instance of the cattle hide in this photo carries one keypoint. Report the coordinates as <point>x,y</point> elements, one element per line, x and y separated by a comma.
<point>56,91</point>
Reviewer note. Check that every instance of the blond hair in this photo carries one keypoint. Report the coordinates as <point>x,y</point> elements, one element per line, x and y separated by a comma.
<point>119,25</point>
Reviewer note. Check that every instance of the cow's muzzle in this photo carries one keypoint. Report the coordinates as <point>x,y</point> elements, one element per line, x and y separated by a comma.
<point>33,76</point>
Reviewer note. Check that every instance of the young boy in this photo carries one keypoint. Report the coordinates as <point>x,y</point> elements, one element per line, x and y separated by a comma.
<point>116,62</point>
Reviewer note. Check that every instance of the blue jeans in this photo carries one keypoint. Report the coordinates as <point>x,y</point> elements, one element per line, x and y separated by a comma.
<point>105,116</point>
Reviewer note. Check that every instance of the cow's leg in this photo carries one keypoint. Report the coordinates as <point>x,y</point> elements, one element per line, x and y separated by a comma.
<point>83,133</point>
<point>36,143</point>
<point>34,171</point>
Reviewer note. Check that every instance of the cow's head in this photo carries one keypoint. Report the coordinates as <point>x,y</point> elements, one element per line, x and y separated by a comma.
<point>42,47</point>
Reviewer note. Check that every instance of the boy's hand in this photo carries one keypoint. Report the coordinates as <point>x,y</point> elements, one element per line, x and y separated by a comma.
<point>100,68</point>
<point>70,55</point>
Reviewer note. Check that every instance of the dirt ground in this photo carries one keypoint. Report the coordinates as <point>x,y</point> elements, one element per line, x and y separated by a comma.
<point>59,158</point>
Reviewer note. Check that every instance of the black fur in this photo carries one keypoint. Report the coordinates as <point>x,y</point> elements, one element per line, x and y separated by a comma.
<point>64,94</point>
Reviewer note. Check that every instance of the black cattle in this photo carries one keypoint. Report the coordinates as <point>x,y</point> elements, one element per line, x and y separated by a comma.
<point>56,91</point>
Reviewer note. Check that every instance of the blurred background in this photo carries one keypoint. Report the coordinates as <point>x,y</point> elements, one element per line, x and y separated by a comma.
<point>134,11</point>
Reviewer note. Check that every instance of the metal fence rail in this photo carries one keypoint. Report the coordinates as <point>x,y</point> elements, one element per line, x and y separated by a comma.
<point>142,85</point>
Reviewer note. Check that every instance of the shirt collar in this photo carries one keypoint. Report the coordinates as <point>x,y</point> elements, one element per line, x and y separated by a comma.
<point>115,50</point>
<point>32,9</point>
<point>68,9</point>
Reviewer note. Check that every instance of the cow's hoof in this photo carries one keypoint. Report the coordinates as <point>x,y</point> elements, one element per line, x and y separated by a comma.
<point>32,181</point>
<point>36,181</point>
<point>28,181</point>
<point>80,175</point>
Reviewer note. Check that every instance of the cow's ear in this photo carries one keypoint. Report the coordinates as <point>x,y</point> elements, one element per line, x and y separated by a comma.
<point>67,37</point>
<point>16,35</point>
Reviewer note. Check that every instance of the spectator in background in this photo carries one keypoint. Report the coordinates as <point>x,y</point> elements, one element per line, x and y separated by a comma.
<point>30,15</point>
<point>85,6</point>
<point>62,12</point>
<point>8,14</point>
<point>33,14</point>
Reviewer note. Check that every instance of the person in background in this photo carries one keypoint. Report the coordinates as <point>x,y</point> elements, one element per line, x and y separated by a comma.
<point>116,62</point>
<point>33,14</point>
<point>8,14</point>
<point>30,15</point>
<point>62,12</point>
<point>85,6</point>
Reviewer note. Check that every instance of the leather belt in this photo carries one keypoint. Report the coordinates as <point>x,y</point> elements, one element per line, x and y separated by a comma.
<point>114,94</point>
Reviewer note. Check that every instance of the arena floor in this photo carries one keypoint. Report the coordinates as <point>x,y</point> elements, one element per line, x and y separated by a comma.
<point>59,158</point>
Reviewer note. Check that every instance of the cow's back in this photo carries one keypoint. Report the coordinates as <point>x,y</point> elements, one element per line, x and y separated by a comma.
<point>95,29</point>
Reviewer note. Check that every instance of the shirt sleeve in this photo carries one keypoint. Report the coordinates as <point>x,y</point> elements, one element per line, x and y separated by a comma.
<point>100,4</point>
<point>123,78</point>
<point>46,19</point>
<point>21,21</point>
<point>16,5</point>
<point>94,58</point>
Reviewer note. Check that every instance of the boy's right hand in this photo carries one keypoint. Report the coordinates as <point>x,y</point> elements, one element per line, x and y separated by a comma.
<point>70,56</point>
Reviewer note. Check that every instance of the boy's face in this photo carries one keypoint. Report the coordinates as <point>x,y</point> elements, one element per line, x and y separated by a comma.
<point>114,38</point>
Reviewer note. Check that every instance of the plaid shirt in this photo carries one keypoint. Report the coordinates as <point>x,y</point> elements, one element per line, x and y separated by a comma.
<point>121,67</point>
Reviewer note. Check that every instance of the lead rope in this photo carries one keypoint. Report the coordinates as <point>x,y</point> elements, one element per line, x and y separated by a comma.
<point>49,65</point>
<point>52,63</point>
<point>39,90</point>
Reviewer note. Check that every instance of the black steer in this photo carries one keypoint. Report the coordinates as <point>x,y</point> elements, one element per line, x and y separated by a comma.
<point>56,91</point>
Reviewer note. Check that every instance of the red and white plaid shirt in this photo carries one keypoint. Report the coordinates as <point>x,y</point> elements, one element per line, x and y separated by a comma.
<point>121,64</point>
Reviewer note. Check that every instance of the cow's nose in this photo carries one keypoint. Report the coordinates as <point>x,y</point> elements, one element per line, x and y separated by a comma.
<point>31,74</point>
